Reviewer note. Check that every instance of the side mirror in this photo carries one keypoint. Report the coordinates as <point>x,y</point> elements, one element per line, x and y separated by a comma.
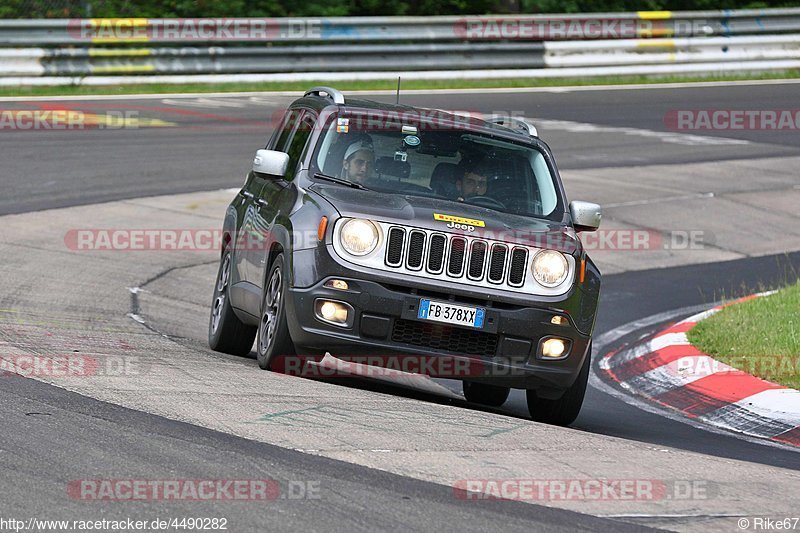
<point>586,216</point>
<point>271,163</point>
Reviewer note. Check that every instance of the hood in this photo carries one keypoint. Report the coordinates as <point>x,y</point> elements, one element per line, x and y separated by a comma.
<point>449,217</point>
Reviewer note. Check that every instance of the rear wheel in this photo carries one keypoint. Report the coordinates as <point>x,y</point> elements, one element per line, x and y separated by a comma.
<point>226,333</point>
<point>273,329</point>
<point>490,395</point>
<point>565,410</point>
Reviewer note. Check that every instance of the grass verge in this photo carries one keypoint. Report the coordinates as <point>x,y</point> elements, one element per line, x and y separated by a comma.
<point>374,85</point>
<point>760,336</point>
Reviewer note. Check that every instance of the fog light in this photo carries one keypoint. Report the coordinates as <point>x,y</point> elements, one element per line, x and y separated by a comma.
<point>328,310</point>
<point>336,313</point>
<point>554,348</point>
<point>338,284</point>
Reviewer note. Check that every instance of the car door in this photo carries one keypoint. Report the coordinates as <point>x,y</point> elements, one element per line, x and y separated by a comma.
<point>246,213</point>
<point>277,195</point>
<point>255,236</point>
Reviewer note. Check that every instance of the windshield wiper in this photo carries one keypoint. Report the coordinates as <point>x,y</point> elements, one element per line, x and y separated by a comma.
<point>340,181</point>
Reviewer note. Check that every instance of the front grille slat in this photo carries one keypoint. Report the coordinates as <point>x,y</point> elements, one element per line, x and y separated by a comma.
<point>477,260</point>
<point>438,246</point>
<point>516,272</point>
<point>394,248</point>
<point>497,263</point>
<point>458,250</point>
<point>416,250</point>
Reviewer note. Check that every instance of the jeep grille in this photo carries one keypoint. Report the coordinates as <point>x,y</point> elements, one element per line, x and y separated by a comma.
<point>465,257</point>
<point>455,257</point>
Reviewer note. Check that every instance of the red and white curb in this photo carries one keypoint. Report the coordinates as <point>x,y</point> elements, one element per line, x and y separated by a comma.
<point>668,370</point>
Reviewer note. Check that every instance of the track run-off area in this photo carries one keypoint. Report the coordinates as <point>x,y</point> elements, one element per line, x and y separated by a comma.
<point>698,216</point>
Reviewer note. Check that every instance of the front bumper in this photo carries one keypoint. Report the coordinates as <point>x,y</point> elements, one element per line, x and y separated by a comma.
<point>505,352</point>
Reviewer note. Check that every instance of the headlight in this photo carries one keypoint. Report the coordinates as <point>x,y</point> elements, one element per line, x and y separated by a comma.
<point>550,268</point>
<point>359,237</point>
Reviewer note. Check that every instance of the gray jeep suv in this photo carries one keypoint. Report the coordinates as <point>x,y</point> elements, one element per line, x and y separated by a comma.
<point>367,229</point>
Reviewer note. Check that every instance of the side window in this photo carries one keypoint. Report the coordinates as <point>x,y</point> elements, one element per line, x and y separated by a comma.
<point>298,143</point>
<point>281,136</point>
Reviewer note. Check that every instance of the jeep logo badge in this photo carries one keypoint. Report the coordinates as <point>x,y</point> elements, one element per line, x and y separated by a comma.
<point>463,227</point>
<point>460,223</point>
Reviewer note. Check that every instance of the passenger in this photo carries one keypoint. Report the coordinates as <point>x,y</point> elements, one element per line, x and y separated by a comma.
<point>475,181</point>
<point>359,162</point>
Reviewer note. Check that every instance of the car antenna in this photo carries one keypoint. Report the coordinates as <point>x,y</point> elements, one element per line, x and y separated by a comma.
<point>398,90</point>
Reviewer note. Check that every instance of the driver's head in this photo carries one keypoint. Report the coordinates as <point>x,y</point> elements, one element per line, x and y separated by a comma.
<point>475,181</point>
<point>359,160</point>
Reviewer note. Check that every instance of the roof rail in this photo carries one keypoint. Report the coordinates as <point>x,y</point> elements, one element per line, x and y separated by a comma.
<point>514,123</point>
<point>333,94</point>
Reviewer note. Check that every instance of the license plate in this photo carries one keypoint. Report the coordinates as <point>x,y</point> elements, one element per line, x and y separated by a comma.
<point>451,314</point>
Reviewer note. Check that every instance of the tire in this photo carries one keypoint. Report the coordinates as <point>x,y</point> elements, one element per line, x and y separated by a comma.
<point>226,333</point>
<point>490,395</point>
<point>273,337</point>
<point>565,410</point>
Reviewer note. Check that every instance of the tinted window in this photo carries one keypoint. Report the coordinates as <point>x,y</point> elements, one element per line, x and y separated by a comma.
<point>285,131</point>
<point>298,143</point>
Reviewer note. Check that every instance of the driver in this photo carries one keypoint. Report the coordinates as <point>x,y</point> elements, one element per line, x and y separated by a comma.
<point>359,160</point>
<point>475,182</point>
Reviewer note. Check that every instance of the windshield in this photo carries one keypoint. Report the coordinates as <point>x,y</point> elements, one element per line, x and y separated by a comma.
<point>437,160</point>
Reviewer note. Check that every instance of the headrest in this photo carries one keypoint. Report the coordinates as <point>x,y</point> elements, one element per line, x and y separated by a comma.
<point>386,166</point>
<point>444,178</point>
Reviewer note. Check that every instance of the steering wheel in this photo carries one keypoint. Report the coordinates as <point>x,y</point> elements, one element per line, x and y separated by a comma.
<point>483,200</point>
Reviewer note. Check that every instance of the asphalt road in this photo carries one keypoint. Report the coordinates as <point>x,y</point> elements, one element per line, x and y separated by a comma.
<point>210,147</point>
<point>50,437</point>
<point>212,140</point>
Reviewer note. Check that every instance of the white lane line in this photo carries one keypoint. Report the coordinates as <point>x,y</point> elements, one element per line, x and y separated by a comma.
<point>637,515</point>
<point>265,100</point>
<point>700,316</point>
<point>137,318</point>
<point>206,102</point>
<point>782,405</point>
<point>676,374</point>
<point>632,203</point>
<point>663,136</point>
<point>647,348</point>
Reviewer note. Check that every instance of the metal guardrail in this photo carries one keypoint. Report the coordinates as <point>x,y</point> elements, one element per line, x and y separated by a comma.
<point>69,50</point>
<point>78,32</point>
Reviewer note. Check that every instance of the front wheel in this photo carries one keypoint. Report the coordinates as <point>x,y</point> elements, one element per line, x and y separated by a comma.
<point>273,329</point>
<point>226,333</point>
<point>564,411</point>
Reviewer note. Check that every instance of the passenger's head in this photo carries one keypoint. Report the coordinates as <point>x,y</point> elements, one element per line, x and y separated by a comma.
<point>475,181</point>
<point>359,160</point>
